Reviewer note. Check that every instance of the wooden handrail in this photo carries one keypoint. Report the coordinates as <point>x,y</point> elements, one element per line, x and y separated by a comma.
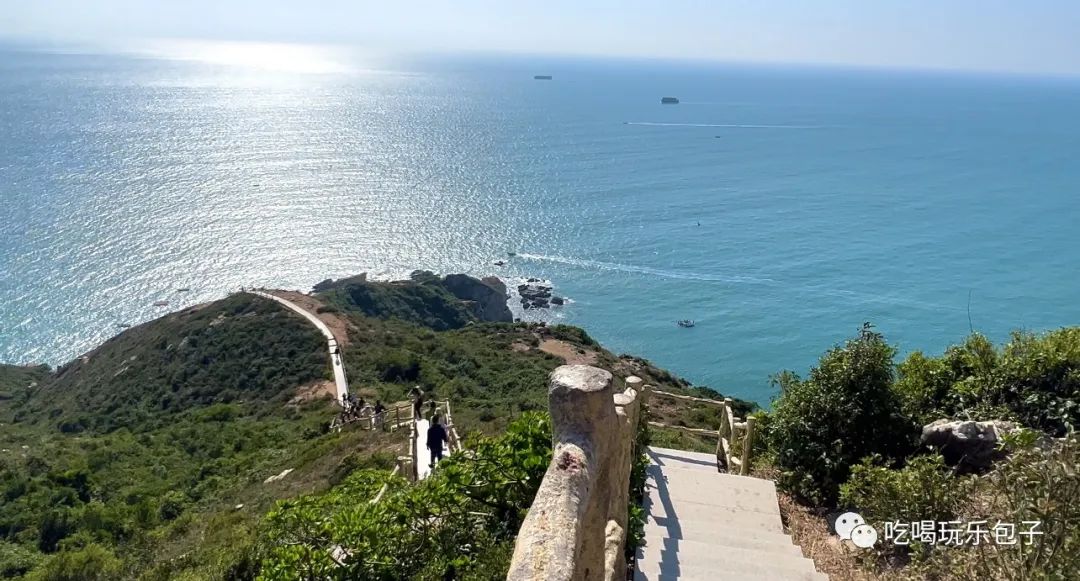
<point>698,431</point>
<point>688,398</point>
<point>386,485</point>
<point>731,430</point>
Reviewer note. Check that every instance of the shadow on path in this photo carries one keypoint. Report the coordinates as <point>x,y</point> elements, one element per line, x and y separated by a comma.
<point>669,554</point>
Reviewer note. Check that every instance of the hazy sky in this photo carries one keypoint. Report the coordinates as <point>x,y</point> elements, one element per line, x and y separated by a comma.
<point>1035,36</point>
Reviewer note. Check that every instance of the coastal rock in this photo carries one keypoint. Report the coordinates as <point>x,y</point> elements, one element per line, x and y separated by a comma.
<point>330,283</point>
<point>969,445</point>
<point>495,283</point>
<point>485,298</point>
<point>536,293</point>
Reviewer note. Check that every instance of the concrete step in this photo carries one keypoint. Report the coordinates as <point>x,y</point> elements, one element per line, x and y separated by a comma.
<point>688,510</point>
<point>674,491</point>
<point>683,459</point>
<point>698,554</point>
<point>736,540</point>
<point>691,526</point>
<point>679,473</point>
<point>724,565</point>
<point>656,539</point>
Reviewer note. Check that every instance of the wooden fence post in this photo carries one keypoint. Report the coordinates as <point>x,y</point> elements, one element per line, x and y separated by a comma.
<point>720,437</point>
<point>748,443</point>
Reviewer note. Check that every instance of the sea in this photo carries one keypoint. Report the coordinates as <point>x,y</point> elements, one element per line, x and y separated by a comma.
<point>778,207</point>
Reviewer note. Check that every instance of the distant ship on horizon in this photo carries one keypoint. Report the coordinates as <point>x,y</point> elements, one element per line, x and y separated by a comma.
<point>669,100</point>
<point>542,77</point>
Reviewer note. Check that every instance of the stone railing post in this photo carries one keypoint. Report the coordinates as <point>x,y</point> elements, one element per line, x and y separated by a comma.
<point>563,538</point>
<point>621,461</point>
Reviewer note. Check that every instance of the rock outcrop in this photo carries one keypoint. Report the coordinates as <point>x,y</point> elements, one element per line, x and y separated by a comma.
<point>968,445</point>
<point>485,298</point>
<point>537,294</point>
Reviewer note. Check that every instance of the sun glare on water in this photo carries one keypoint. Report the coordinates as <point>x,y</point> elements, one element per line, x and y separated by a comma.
<point>255,56</point>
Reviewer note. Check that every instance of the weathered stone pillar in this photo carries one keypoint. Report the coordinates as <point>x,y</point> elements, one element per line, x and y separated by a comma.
<point>620,462</point>
<point>564,535</point>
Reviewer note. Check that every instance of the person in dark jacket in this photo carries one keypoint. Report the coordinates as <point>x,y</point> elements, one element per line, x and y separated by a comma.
<point>418,402</point>
<point>436,437</point>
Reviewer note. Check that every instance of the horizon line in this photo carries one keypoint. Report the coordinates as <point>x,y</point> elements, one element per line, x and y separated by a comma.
<point>104,47</point>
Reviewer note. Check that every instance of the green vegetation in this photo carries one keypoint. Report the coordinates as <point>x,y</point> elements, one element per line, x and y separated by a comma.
<point>147,458</point>
<point>845,437</point>
<point>636,517</point>
<point>422,300</point>
<point>1033,379</point>
<point>117,463</point>
<point>131,462</point>
<point>459,523</point>
<point>924,489</point>
<point>843,412</point>
<point>236,350</point>
<point>16,380</point>
<point>1037,484</point>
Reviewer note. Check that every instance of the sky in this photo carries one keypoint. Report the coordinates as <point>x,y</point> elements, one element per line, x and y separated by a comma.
<point>1026,36</point>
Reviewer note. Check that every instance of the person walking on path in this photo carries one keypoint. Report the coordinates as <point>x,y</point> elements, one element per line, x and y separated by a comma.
<point>436,437</point>
<point>380,411</point>
<point>418,402</point>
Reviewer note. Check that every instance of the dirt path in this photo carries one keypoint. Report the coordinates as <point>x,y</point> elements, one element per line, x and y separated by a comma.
<point>570,354</point>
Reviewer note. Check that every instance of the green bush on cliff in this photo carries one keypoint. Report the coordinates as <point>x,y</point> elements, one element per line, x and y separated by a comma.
<point>459,523</point>
<point>844,411</point>
<point>1033,379</point>
<point>1039,483</point>
<point>422,301</point>
<point>924,490</point>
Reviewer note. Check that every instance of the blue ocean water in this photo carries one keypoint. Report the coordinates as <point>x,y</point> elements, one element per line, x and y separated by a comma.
<point>778,207</point>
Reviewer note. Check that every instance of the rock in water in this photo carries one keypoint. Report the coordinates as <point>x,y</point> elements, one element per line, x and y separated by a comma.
<point>486,298</point>
<point>968,445</point>
<point>535,294</point>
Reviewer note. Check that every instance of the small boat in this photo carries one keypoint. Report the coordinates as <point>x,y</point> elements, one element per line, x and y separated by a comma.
<point>542,77</point>
<point>669,100</point>
<point>511,254</point>
<point>161,303</point>
<point>123,325</point>
<point>499,263</point>
<point>183,290</point>
<point>685,323</point>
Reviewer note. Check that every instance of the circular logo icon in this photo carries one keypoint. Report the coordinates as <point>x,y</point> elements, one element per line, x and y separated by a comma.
<point>846,522</point>
<point>864,536</point>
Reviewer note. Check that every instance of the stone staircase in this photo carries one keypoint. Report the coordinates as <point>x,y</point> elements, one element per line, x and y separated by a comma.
<point>704,526</point>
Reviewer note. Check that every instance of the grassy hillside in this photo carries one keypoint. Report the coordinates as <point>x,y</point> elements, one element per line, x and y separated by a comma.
<point>146,458</point>
<point>422,300</point>
<point>491,371</point>
<point>234,350</point>
<point>126,457</point>
<point>16,380</point>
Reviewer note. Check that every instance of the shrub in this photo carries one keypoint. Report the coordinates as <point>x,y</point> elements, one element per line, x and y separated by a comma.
<point>1041,379</point>
<point>1035,484</point>
<point>923,490</point>
<point>90,563</point>
<point>1034,379</point>
<point>463,518</point>
<point>571,334</point>
<point>923,387</point>
<point>172,506</point>
<point>846,410</point>
<point>16,560</point>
